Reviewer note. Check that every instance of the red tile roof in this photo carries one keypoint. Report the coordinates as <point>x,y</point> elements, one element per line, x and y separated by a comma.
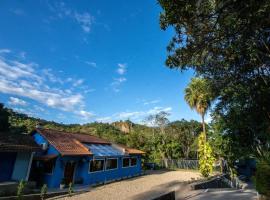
<point>10,142</point>
<point>71,143</point>
<point>129,150</point>
<point>64,142</point>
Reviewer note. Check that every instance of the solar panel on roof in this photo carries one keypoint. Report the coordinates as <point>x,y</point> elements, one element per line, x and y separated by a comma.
<point>104,150</point>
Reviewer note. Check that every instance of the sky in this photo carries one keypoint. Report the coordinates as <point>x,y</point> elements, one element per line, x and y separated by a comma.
<point>84,61</point>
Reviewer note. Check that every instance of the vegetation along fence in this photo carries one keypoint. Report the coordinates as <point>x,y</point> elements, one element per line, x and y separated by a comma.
<point>179,164</point>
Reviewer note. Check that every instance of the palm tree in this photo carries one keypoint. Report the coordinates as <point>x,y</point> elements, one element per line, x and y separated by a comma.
<point>198,96</point>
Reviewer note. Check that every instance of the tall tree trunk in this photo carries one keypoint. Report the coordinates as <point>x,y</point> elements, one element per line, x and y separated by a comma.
<point>203,124</point>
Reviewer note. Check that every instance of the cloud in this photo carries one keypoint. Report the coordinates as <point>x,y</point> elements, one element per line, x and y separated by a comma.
<point>29,81</point>
<point>78,82</point>
<point>85,114</point>
<point>92,64</point>
<point>151,102</point>
<point>122,68</point>
<point>4,51</point>
<point>16,101</point>
<point>117,82</point>
<point>104,119</point>
<point>85,20</point>
<point>136,116</point>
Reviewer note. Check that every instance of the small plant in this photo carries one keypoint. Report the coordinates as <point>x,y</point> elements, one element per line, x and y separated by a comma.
<point>70,189</point>
<point>43,192</point>
<point>20,189</point>
<point>206,159</point>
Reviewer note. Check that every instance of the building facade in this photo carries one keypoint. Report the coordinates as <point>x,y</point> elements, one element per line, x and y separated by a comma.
<point>16,154</point>
<point>81,159</point>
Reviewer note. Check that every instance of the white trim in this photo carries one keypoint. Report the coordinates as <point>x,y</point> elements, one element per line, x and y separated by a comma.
<point>99,170</point>
<point>29,166</point>
<point>136,161</point>
<point>123,162</point>
<point>112,168</point>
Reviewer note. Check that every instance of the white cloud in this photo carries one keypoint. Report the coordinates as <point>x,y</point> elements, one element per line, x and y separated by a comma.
<point>85,114</point>
<point>136,116</point>
<point>29,81</point>
<point>104,119</point>
<point>5,51</point>
<point>16,101</point>
<point>85,20</point>
<point>122,68</point>
<point>151,102</point>
<point>92,64</point>
<point>78,82</point>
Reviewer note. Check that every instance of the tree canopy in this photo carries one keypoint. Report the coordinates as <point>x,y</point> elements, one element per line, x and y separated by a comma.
<point>227,43</point>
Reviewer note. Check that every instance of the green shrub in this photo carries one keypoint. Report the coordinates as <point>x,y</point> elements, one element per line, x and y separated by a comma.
<point>43,192</point>
<point>206,159</point>
<point>70,189</point>
<point>20,189</point>
<point>262,178</point>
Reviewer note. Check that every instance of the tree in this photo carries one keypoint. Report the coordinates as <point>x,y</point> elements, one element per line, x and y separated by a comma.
<point>4,123</point>
<point>198,96</point>
<point>186,132</point>
<point>227,43</point>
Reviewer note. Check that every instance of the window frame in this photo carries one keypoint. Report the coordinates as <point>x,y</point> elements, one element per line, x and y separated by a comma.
<point>136,161</point>
<point>114,158</point>
<point>128,162</point>
<point>53,166</point>
<point>89,167</point>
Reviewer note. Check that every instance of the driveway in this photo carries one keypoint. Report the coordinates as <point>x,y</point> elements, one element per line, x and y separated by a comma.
<point>156,183</point>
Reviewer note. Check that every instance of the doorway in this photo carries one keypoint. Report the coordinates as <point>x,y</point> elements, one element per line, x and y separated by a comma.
<point>69,172</point>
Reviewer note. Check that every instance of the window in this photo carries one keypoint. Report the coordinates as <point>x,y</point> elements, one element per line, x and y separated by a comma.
<point>133,161</point>
<point>96,165</point>
<point>111,163</point>
<point>48,167</point>
<point>125,162</point>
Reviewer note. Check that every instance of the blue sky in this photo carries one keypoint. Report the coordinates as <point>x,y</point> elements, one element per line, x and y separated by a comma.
<point>83,61</point>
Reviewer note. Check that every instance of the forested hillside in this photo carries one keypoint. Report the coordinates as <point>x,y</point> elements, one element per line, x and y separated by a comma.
<point>163,139</point>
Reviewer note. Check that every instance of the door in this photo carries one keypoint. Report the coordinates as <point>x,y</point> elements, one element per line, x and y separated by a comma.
<point>7,160</point>
<point>69,172</point>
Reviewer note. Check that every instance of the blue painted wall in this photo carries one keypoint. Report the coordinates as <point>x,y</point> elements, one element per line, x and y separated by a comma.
<point>82,168</point>
<point>7,160</point>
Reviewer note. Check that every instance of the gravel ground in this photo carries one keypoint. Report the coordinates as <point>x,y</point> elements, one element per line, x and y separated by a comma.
<point>143,187</point>
<point>156,183</point>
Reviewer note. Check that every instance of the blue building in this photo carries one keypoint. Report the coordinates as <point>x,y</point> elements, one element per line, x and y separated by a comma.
<point>16,154</point>
<point>81,159</point>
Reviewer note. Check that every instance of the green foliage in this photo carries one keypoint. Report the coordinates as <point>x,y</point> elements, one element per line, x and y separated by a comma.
<point>162,140</point>
<point>20,189</point>
<point>70,189</point>
<point>206,159</point>
<point>43,192</point>
<point>198,95</point>
<point>262,178</point>
<point>4,123</point>
<point>227,43</point>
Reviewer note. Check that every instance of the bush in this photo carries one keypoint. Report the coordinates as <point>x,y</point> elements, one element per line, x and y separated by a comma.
<point>262,178</point>
<point>206,159</point>
<point>43,192</point>
<point>20,189</point>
